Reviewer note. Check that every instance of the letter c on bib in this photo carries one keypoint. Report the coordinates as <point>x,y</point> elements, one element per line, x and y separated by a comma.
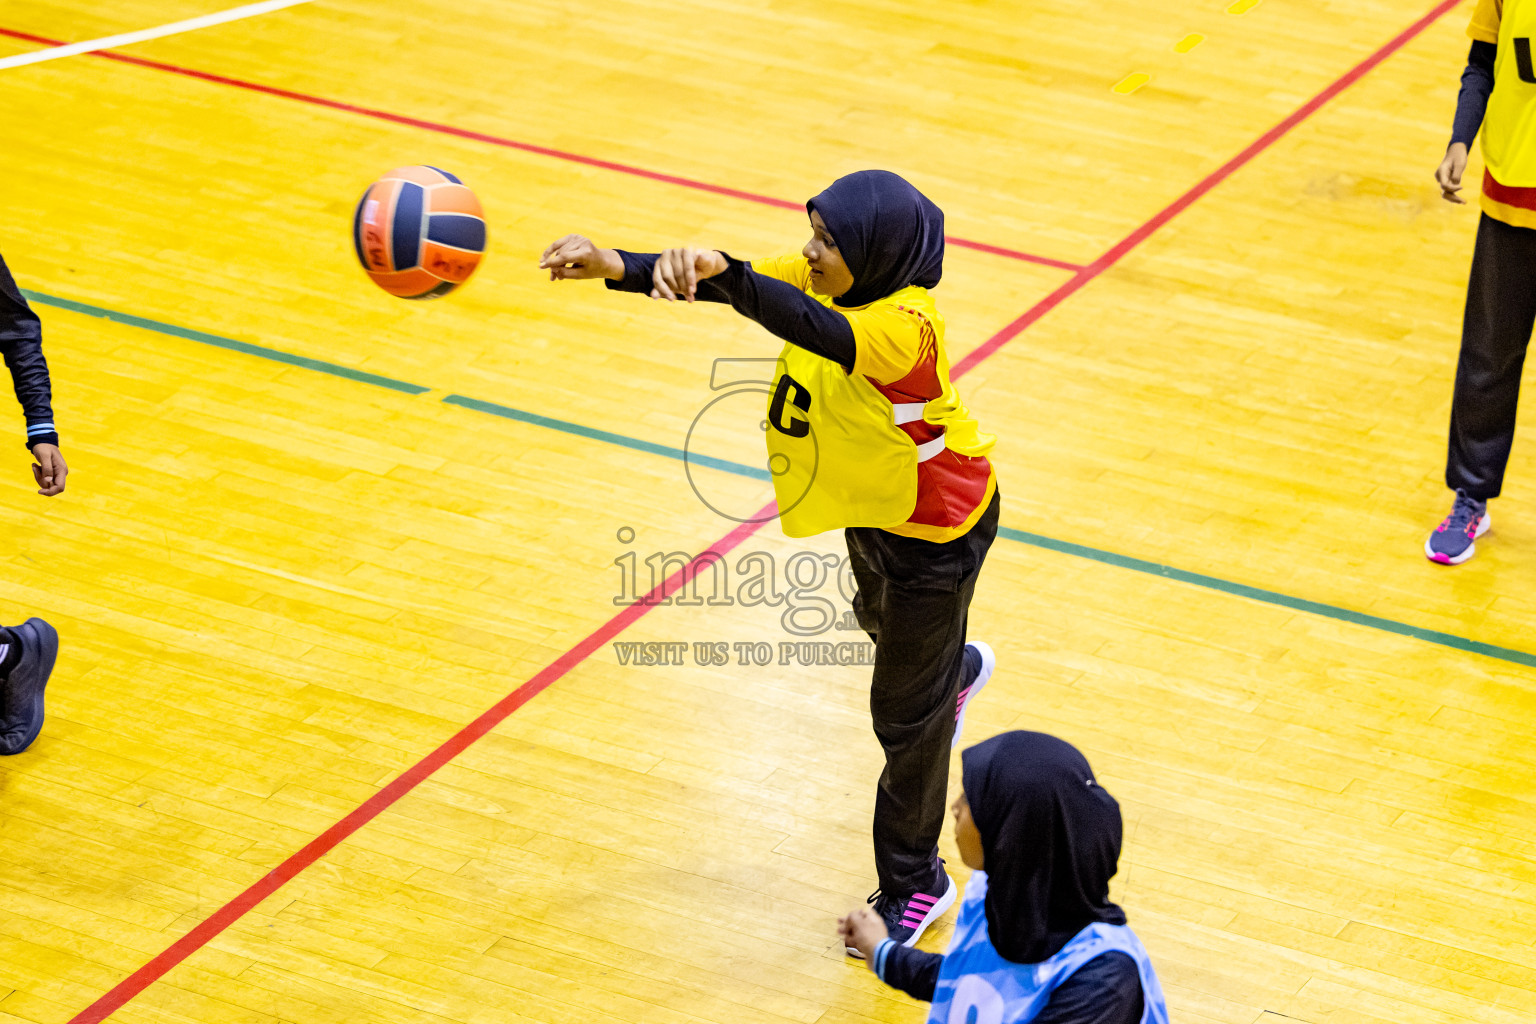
<point>976,1002</point>
<point>801,399</point>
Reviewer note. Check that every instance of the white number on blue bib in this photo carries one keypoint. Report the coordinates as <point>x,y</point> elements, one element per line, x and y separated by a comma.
<point>975,1002</point>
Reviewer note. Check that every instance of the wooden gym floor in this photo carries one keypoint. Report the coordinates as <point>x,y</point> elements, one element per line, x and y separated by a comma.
<point>1211,302</point>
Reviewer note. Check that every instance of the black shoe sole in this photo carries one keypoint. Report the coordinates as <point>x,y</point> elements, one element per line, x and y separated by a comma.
<point>39,643</point>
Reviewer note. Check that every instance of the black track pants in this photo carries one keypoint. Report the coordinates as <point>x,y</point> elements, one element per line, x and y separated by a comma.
<point>1501,309</point>
<point>913,599</point>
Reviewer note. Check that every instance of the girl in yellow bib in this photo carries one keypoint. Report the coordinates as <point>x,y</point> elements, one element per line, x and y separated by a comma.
<point>1499,81</point>
<point>866,433</point>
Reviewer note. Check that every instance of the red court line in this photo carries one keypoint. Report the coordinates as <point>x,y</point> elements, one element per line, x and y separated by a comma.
<point>402,784</point>
<point>526,147</point>
<point>1120,249</point>
<point>236,908</point>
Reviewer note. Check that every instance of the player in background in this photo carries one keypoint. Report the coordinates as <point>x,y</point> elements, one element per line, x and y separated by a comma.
<point>27,651</point>
<point>867,434</point>
<point>1037,940</point>
<point>1501,301</point>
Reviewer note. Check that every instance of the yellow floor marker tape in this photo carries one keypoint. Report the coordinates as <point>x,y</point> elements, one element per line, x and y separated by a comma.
<point>1131,82</point>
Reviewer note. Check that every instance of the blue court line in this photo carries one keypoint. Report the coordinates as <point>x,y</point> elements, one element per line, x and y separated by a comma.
<point>757,473</point>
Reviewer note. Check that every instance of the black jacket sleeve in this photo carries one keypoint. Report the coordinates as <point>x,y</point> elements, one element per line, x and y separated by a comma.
<point>1476,87</point>
<point>21,344</point>
<point>913,971</point>
<point>638,267</point>
<point>782,308</point>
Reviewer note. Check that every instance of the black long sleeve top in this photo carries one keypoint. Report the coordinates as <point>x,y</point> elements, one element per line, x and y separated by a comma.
<point>1105,990</point>
<point>1476,87</point>
<point>782,308</point>
<point>21,344</point>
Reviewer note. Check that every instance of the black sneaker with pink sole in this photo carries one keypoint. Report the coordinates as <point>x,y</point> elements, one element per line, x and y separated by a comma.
<point>907,917</point>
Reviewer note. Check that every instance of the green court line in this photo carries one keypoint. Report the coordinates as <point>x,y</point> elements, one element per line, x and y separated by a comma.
<point>741,469</point>
<point>506,411</point>
<point>1270,597</point>
<point>230,343</point>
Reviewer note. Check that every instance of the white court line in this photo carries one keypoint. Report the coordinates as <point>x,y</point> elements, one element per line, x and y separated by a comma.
<point>107,42</point>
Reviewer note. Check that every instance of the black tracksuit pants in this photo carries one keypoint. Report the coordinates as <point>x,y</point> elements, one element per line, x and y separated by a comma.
<point>913,599</point>
<point>1501,310</point>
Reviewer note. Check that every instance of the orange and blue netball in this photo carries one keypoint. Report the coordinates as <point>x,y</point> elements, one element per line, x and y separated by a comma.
<point>419,232</point>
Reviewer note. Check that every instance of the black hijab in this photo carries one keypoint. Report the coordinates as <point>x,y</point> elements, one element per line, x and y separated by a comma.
<point>889,233</point>
<point>1051,839</point>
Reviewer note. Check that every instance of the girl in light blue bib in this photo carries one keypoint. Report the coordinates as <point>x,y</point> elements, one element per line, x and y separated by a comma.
<point>1037,940</point>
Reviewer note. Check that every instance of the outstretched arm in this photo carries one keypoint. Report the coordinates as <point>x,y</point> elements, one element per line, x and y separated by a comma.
<point>668,275</point>
<point>785,311</point>
<point>713,277</point>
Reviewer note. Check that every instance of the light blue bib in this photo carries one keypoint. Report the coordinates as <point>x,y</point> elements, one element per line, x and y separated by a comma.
<point>977,986</point>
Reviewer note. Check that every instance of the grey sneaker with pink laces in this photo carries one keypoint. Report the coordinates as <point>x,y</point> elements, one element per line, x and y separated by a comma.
<point>1452,541</point>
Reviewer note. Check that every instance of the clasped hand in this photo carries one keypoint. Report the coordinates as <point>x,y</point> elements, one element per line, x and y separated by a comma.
<point>679,271</point>
<point>48,469</point>
<point>862,930</point>
<point>677,274</point>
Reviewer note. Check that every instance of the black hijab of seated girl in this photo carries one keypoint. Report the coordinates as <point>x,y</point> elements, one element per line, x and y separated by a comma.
<point>1050,836</point>
<point>889,234</point>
